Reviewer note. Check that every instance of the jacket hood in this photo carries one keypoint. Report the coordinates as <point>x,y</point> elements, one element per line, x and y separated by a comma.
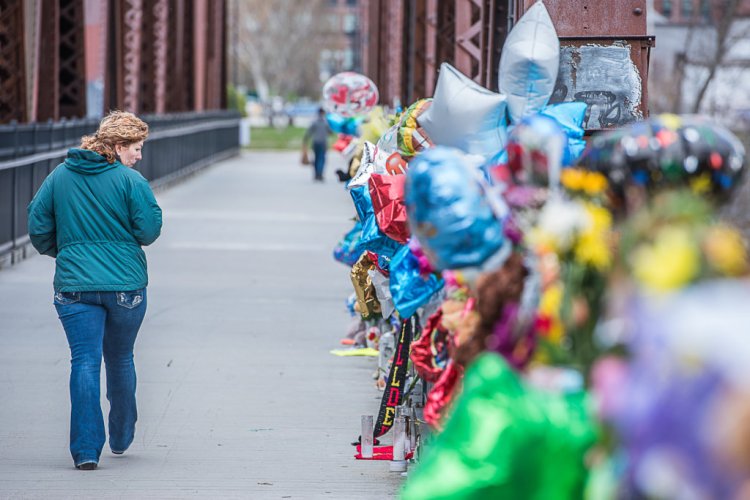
<point>88,162</point>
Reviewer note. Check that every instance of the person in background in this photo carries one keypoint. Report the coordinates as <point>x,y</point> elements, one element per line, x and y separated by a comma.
<point>318,132</point>
<point>93,214</point>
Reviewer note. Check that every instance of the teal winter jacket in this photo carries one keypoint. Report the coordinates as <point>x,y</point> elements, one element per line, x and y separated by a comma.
<point>93,217</point>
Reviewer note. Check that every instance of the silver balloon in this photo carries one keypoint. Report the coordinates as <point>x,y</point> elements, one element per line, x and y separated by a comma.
<point>465,115</point>
<point>373,161</point>
<point>529,63</point>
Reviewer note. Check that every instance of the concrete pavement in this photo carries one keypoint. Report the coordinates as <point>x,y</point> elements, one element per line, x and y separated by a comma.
<point>238,395</point>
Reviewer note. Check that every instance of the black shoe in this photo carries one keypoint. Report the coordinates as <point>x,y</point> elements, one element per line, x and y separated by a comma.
<point>343,176</point>
<point>118,452</point>
<point>87,466</point>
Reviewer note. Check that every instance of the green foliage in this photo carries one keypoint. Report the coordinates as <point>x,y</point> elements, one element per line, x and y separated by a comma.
<point>287,138</point>
<point>236,100</point>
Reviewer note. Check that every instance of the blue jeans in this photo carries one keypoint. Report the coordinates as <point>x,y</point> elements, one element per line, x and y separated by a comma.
<point>99,323</point>
<point>319,150</point>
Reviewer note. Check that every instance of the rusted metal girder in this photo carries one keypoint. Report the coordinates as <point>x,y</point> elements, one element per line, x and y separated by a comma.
<point>445,33</point>
<point>48,67</point>
<point>604,58</point>
<point>383,44</point>
<point>430,59</point>
<point>468,39</point>
<point>180,54</point>
<point>496,31</point>
<point>481,29</point>
<point>12,67</point>
<point>393,22</point>
<point>123,74</point>
<point>199,51</point>
<point>154,57</point>
<point>215,61</point>
<point>72,75</point>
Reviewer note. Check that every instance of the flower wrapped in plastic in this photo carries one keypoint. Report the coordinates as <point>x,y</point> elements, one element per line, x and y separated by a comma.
<point>458,221</point>
<point>536,150</point>
<point>575,236</point>
<point>504,439</point>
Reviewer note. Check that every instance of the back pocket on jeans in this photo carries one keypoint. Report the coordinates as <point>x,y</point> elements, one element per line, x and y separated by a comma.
<point>66,298</point>
<point>129,300</point>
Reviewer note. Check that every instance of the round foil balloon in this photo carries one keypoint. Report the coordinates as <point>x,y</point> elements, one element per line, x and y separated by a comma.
<point>349,94</point>
<point>450,212</point>
<point>669,150</point>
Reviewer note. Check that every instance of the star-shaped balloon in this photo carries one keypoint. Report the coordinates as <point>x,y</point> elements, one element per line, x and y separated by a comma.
<point>529,63</point>
<point>465,115</point>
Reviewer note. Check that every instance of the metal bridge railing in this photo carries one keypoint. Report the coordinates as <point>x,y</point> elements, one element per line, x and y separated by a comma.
<point>178,144</point>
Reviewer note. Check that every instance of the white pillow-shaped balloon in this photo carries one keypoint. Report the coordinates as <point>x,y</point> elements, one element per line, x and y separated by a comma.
<point>529,63</point>
<point>465,115</point>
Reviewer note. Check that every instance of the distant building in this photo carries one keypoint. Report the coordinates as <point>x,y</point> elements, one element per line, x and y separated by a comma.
<point>687,35</point>
<point>342,34</point>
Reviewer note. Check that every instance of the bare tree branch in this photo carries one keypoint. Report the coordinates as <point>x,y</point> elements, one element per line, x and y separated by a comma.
<point>280,45</point>
<point>723,30</point>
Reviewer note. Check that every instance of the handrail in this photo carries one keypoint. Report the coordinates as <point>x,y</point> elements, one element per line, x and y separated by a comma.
<point>172,153</point>
<point>159,134</point>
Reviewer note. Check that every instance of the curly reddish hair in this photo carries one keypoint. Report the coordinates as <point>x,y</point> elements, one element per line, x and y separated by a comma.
<point>117,128</point>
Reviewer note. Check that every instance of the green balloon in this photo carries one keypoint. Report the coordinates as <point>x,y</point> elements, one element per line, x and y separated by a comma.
<point>504,439</point>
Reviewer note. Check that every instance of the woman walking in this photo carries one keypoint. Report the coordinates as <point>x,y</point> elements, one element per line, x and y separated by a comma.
<point>92,214</point>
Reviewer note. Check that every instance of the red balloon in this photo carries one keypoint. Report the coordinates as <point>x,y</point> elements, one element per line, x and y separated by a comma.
<point>387,193</point>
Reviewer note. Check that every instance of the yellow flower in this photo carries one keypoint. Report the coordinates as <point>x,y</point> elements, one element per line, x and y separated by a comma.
<point>575,179</point>
<point>701,184</point>
<point>671,262</point>
<point>592,245</point>
<point>725,251</point>
<point>550,304</point>
<point>572,178</point>
<point>542,242</point>
<point>594,183</point>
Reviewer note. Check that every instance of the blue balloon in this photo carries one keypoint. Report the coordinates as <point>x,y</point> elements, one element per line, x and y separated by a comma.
<point>348,250</point>
<point>373,239</point>
<point>362,201</point>
<point>409,289</point>
<point>450,212</point>
<point>570,116</point>
<point>341,125</point>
